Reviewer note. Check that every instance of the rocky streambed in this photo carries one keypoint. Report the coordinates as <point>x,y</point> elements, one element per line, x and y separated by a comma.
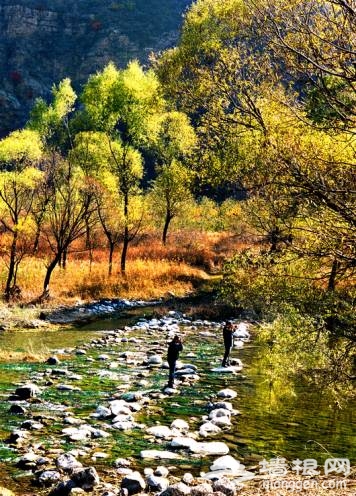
<point>80,417</point>
<point>97,416</point>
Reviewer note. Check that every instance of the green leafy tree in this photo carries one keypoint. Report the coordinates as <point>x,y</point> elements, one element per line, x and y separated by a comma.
<point>20,152</point>
<point>172,188</point>
<point>52,121</point>
<point>170,192</point>
<point>123,104</point>
<point>316,42</point>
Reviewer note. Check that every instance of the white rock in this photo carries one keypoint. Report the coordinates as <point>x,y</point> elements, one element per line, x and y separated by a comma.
<point>183,442</point>
<point>179,489</point>
<point>187,478</point>
<point>227,463</point>
<point>123,410</point>
<point>156,483</point>
<point>221,421</point>
<point>161,471</point>
<point>219,412</point>
<point>222,404</point>
<point>124,425</point>
<point>102,412</point>
<point>108,374</point>
<point>67,462</point>
<point>116,406</point>
<point>155,360</point>
<point>160,431</point>
<point>233,369</point>
<point>209,429</point>
<point>161,455</point>
<point>201,489</point>
<point>227,393</point>
<point>103,357</point>
<point>180,425</point>
<point>211,448</point>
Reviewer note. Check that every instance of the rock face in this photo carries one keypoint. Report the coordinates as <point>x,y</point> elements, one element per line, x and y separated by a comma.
<point>43,41</point>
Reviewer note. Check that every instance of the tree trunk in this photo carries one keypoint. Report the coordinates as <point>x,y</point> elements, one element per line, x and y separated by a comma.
<point>124,250</point>
<point>333,274</point>
<point>48,275</point>
<point>64,259</point>
<point>330,321</point>
<point>126,234</point>
<point>88,242</point>
<point>167,221</point>
<point>12,265</point>
<point>36,241</point>
<point>111,253</point>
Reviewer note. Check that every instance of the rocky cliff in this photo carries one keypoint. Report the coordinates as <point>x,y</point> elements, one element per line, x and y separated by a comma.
<point>43,41</point>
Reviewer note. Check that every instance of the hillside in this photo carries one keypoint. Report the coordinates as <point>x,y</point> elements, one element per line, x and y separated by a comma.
<point>43,41</point>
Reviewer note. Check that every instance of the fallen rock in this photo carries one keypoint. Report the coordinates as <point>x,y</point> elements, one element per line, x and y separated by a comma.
<point>48,478</point>
<point>187,478</point>
<point>227,463</point>
<point>179,489</point>
<point>180,425</point>
<point>209,429</point>
<point>157,484</point>
<point>53,360</point>
<point>225,486</point>
<point>27,391</point>
<point>201,489</point>
<point>67,463</point>
<point>160,455</point>
<point>161,471</point>
<point>160,431</point>
<point>86,478</point>
<point>212,448</point>
<point>27,461</point>
<point>184,442</point>
<point>133,483</point>
<point>227,393</point>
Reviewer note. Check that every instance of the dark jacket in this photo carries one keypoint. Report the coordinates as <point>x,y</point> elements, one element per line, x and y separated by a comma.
<point>228,336</point>
<point>173,351</point>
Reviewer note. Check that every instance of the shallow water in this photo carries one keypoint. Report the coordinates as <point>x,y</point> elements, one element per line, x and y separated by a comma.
<point>302,425</point>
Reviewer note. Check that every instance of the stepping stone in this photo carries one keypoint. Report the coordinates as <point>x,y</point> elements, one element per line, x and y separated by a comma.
<point>227,370</point>
<point>159,455</point>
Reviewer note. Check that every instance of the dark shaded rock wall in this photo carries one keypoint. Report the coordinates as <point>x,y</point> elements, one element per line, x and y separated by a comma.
<point>43,41</point>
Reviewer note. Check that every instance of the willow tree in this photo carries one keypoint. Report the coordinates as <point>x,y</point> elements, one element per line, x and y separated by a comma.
<point>20,153</point>
<point>173,144</point>
<point>69,208</point>
<point>259,124</point>
<point>316,41</point>
<point>123,105</point>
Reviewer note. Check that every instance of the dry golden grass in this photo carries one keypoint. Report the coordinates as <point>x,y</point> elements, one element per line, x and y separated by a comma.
<point>30,354</point>
<point>153,270</point>
<point>22,356</point>
<point>145,279</point>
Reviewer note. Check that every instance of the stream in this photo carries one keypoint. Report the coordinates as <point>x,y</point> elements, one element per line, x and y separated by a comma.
<point>300,425</point>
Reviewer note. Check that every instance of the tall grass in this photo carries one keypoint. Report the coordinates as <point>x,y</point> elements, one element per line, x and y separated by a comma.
<point>153,270</point>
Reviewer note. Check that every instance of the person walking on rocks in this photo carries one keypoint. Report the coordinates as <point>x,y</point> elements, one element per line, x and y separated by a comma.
<point>175,346</point>
<point>228,332</point>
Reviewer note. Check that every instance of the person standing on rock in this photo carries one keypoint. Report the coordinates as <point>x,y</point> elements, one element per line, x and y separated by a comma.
<point>175,346</point>
<point>228,332</point>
